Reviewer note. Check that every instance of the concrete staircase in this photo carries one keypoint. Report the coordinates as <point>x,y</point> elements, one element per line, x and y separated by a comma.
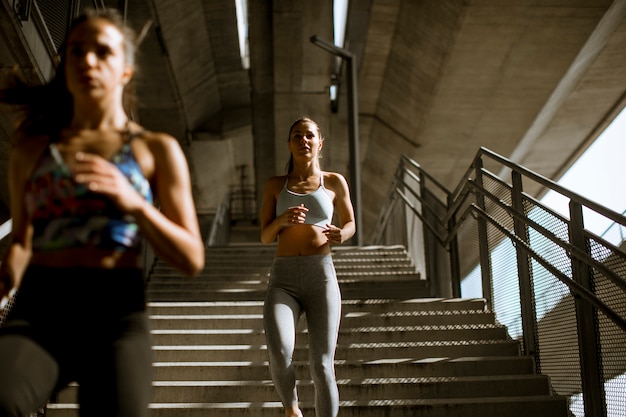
<point>400,353</point>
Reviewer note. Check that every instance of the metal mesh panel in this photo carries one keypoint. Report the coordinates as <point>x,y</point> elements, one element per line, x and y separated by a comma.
<point>89,3</point>
<point>468,242</point>
<point>557,333</point>
<point>613,349</point>
<point>56,15</point>
<point>506,293</point>
<point>554,285</point>
<point>4,312</point>
<point>496,204</point>
<point>543,238</point>
<point>612,338</point>
<point>468,256</point>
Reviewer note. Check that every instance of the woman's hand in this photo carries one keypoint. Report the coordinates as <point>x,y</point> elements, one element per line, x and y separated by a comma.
<point>293,215</point>
<point>103,177</point>
<point>333,234</point>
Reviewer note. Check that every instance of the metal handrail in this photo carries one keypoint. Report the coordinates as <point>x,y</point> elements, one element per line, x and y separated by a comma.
<point>578,289</point>
<point>469,211</point>
<point>548,183</point>
<point>219,233</point>
<point>426,175</point>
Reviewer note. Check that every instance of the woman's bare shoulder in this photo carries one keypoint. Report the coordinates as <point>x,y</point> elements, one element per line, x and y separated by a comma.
<point>29,148</point>
<point>160,145</point>
<point>156,151</point>
<point>154,138</point>
<point>333,180</point>
<point>25,154</point>
<point>276,181</point>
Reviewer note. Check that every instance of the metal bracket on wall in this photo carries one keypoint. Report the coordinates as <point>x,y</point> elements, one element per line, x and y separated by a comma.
<point>22,9</point>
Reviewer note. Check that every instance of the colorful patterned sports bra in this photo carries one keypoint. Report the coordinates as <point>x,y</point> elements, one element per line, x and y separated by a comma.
<point>66,214</point>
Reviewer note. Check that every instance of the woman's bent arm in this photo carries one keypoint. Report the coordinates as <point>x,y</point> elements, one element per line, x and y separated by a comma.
<point>173,230</point>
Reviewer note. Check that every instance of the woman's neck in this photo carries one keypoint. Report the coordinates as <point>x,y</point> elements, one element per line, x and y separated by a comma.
<point>304,173</point>
<point>93,117</point>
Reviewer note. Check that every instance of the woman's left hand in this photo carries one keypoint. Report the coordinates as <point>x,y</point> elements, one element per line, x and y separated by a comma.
<point>333,234</point>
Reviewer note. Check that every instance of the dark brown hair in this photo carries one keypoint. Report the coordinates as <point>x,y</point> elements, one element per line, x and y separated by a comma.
<point>48,108</point>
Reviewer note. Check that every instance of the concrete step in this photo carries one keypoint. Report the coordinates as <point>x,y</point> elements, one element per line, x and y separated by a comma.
<point>400,353</point>
<point>401,321</point>
<point>211,271</point>
<point>226,274</point>
<point>234,274</point>
<point>410,351</point>
<point>258,250</point>
<point>251,256</point>
<point>225,294</point>
<point>384,368</point>
<point>352,389</point>
<point>206,285</point>
<point>404,287</point>
<point>256,264</point>
<point>363,251</point>
<point>364,306</point>
<point>536,406</point>
<point>360,335</point>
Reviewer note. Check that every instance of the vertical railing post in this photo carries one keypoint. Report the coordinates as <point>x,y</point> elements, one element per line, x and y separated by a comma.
<point>455,271</point>
<point>353,130</point>
<point>483,242</point>
<point>355,162</point>
<point>587,323</point>
<point>429,250</point>
<point>402,231</point>
<point>524,273</point>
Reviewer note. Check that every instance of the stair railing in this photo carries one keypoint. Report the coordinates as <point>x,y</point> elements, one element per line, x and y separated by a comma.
<point>219,233</point>
<point>559,287</point>
<point>243,203</point>
<point>5,231</point>
<point>414,216</point>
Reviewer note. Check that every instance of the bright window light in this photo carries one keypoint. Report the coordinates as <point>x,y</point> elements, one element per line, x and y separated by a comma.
<point>242,27</point>
<point>597,175</point>
<point>340,13</point>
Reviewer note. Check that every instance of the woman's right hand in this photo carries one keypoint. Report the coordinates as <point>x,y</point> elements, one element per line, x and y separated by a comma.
<point>293,215</point>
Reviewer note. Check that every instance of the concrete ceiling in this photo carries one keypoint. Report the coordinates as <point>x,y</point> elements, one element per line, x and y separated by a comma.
<point>533,80</point>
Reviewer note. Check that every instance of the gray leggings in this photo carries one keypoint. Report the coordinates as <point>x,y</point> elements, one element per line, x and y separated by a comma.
<point>304,284</point>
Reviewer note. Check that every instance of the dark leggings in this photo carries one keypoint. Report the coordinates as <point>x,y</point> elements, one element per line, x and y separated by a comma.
<point>83,325</point>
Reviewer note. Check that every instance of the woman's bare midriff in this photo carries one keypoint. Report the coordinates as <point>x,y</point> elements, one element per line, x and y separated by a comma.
<point>86,258</point>
<point>302,240</point>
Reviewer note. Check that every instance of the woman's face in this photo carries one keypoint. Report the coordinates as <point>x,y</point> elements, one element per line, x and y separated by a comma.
<point>95,63</point>
<point>304,139</point>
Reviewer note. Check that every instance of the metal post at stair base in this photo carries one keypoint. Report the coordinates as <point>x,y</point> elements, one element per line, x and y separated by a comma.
<point>525,276</point>
<point>591,372</point>
<point>353,127</point>
<point>483,242</point>
<point>455,271</point>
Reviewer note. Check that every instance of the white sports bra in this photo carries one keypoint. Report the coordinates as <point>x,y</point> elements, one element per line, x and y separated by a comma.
<point>319,203</point>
